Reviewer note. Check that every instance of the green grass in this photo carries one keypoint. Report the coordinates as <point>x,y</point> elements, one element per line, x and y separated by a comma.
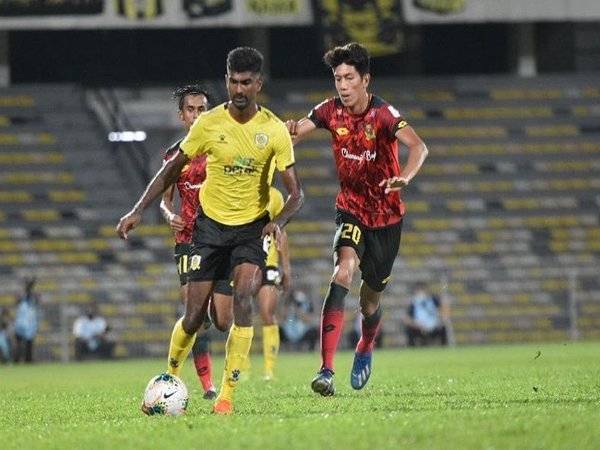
<point>466,398</point>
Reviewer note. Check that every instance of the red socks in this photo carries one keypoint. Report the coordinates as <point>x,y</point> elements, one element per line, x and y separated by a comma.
<point>332,323</point>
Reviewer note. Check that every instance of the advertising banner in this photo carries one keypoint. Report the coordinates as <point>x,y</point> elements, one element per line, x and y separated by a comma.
<point>474,11</point>
<point>94,14</point>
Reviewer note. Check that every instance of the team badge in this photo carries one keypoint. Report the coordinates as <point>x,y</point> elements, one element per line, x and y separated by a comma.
<point>261,140</point>
<point>342,131</point>
<point>369,132</point>
<point>195,262</point>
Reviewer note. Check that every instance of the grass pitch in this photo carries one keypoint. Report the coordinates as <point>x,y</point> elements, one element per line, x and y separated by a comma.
<point>544,396</point>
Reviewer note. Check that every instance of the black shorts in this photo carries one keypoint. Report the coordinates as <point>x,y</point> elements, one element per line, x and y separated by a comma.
<point>271,276</point>
<point>218,248</point>
<point>376,248</point>
<point>182,260</point>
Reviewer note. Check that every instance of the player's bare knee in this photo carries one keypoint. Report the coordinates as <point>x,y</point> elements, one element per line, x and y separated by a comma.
<point>268,319</point>
<point>367,309</point>
<point>223,323</point>
<point>344,273</point>
<point>189,324</point>
<point>244,292</point>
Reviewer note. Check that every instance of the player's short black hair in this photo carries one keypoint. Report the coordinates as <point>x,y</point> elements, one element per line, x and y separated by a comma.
<point>189,89</point>
<point>352,54</point>
<point>245,59</point>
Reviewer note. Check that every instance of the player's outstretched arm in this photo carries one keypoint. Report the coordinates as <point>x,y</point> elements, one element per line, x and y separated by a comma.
<point>417,152</point>
<point>292,205</point>
<point>299,129</point>
<point>164,178</point>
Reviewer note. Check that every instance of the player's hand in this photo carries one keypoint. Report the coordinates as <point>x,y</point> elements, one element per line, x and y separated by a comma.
<point>127,223</point>
<point>292,126</point>
<point>176,223</point>
<point>394,184</point>
<point>272,229</point>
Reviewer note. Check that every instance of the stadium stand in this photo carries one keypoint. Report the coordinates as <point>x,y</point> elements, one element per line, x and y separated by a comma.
<point>503,218</point>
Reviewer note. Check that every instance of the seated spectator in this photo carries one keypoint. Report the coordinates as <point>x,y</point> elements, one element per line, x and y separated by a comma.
<point>91,335</point>
<point>4,335</point>
<point>427,318</point>
<point>299,326</point>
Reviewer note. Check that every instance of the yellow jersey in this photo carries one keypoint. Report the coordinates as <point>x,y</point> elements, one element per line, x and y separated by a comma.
<point>241,159</point>
<point>275,206</point>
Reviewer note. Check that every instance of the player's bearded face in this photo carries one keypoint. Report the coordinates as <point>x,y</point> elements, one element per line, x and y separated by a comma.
<point>351,86</point>
<point>243,87</point>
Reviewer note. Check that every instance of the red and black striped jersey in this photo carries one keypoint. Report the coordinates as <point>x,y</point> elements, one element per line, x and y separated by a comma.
<point>191,178</point>
<point>365,150</point>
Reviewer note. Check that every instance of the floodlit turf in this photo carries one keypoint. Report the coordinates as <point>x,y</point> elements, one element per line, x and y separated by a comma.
<point>521,397</point>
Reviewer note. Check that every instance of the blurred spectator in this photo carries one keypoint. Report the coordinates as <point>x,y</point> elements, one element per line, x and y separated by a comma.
<point>4,335</point>
<point>26,321</point>
<point>300,324</point>
<point>92,335</point>
<point>355,332</point>
<point>427,318</point>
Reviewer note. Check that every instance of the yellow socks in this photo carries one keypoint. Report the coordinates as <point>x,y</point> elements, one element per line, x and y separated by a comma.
<point>270,348</point>
<point>237,349</point>
<point>179,348</point>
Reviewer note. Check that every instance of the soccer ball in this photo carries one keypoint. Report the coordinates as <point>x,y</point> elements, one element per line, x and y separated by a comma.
<point>165,395</point>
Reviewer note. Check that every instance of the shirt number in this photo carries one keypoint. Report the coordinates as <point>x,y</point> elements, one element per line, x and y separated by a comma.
<point>351,231</point>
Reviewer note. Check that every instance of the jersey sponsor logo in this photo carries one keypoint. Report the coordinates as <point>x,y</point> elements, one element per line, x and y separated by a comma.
<point>402,124</point>
<point>367,155</point>
<point>240,165</point>
<point>261,140</point>
<point>191,186</point>
<point>195,262</point>
<point>342,131</point>
<point>369,131</point>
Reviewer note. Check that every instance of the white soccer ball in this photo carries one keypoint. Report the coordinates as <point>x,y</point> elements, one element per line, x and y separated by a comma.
<point>166,395</point>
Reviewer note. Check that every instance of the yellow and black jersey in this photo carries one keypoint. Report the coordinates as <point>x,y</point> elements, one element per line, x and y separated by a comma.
<point>241,159</point>
<point>275,206</point>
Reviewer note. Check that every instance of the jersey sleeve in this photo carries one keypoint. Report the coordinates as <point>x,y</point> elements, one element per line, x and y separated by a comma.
<point>193,143</point>
<point>318,115</point>
<point>392,120</point>
<point>171,151</point>
<point>284,150</point>
<point>276,202</point>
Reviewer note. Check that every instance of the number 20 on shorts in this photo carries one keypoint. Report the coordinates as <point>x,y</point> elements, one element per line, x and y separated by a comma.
<point>351,231</point>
